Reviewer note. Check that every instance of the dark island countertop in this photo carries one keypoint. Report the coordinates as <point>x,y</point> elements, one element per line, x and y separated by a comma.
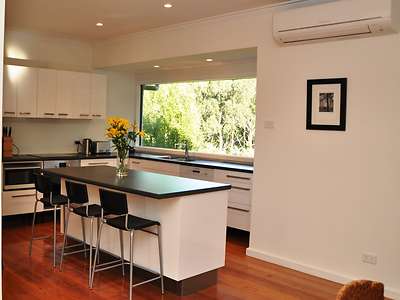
<point>143,183</point>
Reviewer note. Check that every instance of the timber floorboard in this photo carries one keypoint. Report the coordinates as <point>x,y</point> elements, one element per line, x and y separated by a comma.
<point>242,278</point>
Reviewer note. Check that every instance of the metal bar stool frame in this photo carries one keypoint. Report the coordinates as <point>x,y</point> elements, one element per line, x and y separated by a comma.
<point>70,207</point>
<point>121,262</point>
<point>45,187</point>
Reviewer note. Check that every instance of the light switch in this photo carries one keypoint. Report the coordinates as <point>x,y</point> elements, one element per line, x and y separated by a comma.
<point>269,124</point>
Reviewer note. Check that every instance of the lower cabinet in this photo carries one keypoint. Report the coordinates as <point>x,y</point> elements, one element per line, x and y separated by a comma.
<point>154,166</point>
<point>19,202</point>
<point>112,162</point>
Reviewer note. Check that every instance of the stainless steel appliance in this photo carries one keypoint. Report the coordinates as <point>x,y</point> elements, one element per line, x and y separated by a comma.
<point>101,147</point>
<point>47,164</point>
<point>19,175</point>
<point>85,146</point>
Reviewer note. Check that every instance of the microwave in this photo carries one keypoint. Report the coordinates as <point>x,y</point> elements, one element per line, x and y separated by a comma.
<point>100,147</point>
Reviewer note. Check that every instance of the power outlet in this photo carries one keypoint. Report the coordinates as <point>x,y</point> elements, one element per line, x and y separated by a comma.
<point>369,258</point>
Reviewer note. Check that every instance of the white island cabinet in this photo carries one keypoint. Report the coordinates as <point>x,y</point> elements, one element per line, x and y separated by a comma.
<point>193,235</point>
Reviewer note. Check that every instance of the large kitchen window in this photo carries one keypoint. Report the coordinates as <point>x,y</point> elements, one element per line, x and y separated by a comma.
<point>215,117</point>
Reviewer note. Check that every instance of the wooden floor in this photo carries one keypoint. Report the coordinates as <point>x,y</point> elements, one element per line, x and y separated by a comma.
<point>242,277</point>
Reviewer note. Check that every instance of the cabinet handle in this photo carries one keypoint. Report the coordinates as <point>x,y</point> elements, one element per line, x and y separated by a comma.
<point>84,115</point>
<point>24,113</point>
<point>136,162</point>
<point>20,196</point>
<point>9,112</point>
<point>96,115</point>
<point>97,164</point>
<point>62,114</point>
<point>196,171</point>
<point>237,177</point>
<point>49,114</point>
<point>239,209</point>
<point>240,188</point>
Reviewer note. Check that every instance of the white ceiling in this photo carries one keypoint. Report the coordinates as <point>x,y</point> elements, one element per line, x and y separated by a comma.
<point>77,18</point>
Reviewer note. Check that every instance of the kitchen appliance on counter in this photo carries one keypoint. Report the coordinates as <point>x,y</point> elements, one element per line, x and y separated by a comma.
<point>20,175</point>
<point>84,146</point>
<point>101,147</point>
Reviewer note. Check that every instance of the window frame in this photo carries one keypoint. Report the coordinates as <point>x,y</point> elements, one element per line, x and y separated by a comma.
<point>172,151</point>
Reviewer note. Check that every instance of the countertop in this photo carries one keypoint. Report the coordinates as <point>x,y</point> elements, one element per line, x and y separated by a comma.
<point>143,183</point>
<point>212,164</point>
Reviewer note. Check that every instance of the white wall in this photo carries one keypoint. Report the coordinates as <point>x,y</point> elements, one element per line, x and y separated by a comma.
<point>58,136</point>
<point>320,199</point>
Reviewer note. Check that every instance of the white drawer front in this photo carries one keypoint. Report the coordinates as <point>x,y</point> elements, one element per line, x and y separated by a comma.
<point>99,162</point>
<point>153,166</point>
<point>238,219</point>
<point>19,202</point>
<point>234,178</point>
<point>240,198</point>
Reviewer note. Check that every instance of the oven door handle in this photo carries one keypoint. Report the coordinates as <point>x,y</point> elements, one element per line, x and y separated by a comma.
<point>20,168</point>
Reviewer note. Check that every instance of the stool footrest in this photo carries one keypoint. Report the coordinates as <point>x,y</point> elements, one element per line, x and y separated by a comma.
<point>76,251</point>
<point>147,281</point>
<point>74,245</point>
<point>41,237</point>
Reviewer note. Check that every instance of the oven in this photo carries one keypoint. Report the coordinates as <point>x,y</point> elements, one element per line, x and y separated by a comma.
<point>20,175</point>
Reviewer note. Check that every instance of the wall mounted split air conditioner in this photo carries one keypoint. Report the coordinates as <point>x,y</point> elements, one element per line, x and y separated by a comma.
<point>339,19</point>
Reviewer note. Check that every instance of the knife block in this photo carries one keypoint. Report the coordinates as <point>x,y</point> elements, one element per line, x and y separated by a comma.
<point>7,146</point>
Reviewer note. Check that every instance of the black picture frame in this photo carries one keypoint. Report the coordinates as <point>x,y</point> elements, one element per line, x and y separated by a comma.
<point>343,103</point>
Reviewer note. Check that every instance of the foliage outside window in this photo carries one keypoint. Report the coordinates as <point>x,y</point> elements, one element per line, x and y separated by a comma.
<point>212,116</point>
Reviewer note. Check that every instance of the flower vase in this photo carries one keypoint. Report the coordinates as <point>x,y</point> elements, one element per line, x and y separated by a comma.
<point>122,163</point>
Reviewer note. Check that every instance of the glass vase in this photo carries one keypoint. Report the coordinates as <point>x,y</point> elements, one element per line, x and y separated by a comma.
<point>122,162</point>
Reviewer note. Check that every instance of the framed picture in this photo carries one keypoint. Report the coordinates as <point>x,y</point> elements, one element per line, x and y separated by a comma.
<point>326,104</point>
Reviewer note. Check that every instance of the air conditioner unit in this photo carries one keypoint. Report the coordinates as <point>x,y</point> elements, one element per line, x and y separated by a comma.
<point>339,19</point>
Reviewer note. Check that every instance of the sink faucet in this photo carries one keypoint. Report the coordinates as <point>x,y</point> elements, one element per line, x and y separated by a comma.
<point>186,151</point>
<point>185,146</point>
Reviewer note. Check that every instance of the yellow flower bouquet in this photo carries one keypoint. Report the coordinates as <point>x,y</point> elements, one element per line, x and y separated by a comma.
<point>123,134</point>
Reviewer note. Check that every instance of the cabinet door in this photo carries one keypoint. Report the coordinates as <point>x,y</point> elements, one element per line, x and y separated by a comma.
<point>47,93</point>
<point>99,96</point>
<point>10,92</point>
<point>82,91</point>
<point>65,94</point>
<point>26,92</point>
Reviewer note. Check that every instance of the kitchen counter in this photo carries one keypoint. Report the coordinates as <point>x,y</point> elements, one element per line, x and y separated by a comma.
<point>148,184</point>
<point>202,163</point>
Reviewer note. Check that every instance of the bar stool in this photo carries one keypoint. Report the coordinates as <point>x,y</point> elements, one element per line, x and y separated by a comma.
<point>44,185</point>
<point>114,212</point>
<point>78,203</point>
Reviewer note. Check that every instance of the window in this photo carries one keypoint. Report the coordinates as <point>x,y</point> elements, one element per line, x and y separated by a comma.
<point>215,117</point>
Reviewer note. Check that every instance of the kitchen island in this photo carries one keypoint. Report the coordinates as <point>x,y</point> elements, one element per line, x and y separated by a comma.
<point>192,214</point>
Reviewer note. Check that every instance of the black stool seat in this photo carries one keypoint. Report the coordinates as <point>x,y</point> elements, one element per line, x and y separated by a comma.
<point>93,210</point>
<point>134,223</point>
<point>56,199</point>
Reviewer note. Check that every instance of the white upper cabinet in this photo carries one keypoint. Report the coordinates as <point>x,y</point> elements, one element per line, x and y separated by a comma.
<point>81,95</point>
<point>65,87</point>
<point>98,101</point>
<point>9,93</point>
<point>47,93</point>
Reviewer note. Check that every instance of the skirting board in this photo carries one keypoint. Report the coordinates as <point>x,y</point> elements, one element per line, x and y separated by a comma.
<point>389,292</point>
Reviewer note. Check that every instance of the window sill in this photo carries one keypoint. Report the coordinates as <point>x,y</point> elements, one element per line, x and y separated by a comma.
<point>200,155</point>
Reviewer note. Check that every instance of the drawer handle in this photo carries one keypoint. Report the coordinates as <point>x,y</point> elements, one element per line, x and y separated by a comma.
<point>196,171</point>
<point>239,209</point>
<point>96,115</point>
<point>240,188</point>
<point>238,177</point>
<point>49,114</point>
<point>24,113</point>
<point>97,164</point>
<point>9,112</point>
<point>62,114</point>
<point>84,115</point>
<point>20,196</point>
<point>136,162</point>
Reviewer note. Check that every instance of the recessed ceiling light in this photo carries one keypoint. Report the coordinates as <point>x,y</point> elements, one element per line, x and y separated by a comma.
<point>167,5</point>
<point>209,60</point>
<point>156,66</point>
<point>99,24</point>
